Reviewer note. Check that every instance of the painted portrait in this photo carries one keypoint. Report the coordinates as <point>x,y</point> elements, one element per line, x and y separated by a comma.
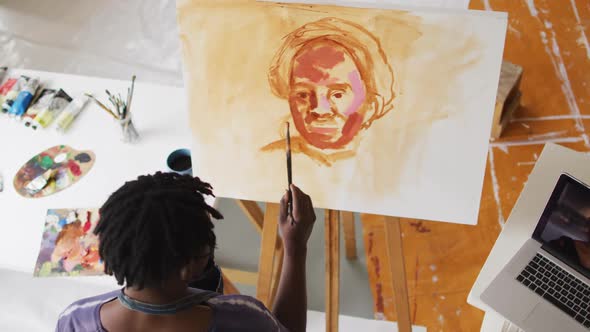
<point>326,71</point>
<point>390,110</point>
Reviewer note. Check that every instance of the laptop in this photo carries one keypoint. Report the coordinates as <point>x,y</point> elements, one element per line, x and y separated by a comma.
<point>546,285</point>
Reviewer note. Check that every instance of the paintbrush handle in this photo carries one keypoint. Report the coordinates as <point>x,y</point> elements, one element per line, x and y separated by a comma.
<point>290,206</point>
<point>101,105</point>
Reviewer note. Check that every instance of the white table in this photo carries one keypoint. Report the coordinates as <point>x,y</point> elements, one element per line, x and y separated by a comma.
<point>523,219</point>
<point>161,118</point>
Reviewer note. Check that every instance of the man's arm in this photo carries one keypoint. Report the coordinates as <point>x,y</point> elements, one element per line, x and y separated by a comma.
<point>290,306</point>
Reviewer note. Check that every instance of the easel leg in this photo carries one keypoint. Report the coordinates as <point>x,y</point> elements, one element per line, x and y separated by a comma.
<point>267,254</point>
<point>349,234</point>
<point>276,277</point>
<point>253,212</point>
<point>395,254</point>
<point>332,245</point>
<point>228,286</point>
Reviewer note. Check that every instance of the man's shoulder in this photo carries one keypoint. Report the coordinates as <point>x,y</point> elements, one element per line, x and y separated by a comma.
<point>81,315</point>
<point>243,309</point>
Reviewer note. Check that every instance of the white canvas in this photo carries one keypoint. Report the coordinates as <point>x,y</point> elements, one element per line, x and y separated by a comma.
<point>425,110</point>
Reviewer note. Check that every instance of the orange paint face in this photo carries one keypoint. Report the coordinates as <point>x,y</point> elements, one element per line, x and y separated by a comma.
<point>327,96</point>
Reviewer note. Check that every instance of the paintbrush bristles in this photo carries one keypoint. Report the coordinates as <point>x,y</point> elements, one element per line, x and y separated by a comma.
<point>288,137</point>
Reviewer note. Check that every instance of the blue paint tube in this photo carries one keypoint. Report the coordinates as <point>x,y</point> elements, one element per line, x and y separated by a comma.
<point>13,93</point>
<point>23,100</point>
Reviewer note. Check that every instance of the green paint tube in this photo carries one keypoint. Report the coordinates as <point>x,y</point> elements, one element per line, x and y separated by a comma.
<point>42,103</point>
<point>68,115</point>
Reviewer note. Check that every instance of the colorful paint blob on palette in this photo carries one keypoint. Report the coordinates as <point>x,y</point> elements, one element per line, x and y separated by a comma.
<point>52,170</point>
<point>68,246</point>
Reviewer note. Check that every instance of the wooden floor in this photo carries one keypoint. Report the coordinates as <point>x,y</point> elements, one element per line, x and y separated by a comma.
<point>549,39</point>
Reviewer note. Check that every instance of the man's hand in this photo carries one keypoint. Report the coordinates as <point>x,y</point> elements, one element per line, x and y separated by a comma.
<point>290,305</point>
<point>295,235</point>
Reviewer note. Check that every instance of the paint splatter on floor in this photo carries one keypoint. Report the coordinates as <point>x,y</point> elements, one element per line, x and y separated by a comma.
<point>419,226</point>
<point>380,303</point>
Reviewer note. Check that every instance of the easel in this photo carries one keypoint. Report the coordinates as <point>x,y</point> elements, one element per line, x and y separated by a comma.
<point>271,258</point>
<point>267,279</point>
<point>271,251</point>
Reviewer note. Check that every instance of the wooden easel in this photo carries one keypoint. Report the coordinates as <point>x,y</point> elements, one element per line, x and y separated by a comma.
<point>271,258</point>
<point>271,251</point>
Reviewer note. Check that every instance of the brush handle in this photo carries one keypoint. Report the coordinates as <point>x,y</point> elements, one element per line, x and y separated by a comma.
<point>290,181</point>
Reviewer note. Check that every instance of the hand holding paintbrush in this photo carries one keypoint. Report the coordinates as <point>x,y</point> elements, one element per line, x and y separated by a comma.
<point>295,235</point>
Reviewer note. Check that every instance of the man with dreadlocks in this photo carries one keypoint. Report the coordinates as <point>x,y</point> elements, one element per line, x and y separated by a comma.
<point>156,238</point>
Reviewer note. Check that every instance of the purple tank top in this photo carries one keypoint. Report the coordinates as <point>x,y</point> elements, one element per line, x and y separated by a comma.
<point>230,313</point>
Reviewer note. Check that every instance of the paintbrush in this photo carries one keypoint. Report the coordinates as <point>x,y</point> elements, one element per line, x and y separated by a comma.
<point>289,176</point>
<point>112,100</point>
<point>102,105</point>
<point>130,94</point>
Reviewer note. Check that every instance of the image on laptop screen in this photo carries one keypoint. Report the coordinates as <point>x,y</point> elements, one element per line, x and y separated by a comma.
<point>564,227</point>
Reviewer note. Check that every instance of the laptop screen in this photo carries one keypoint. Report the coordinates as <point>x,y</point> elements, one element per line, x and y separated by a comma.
<point>564,227</point>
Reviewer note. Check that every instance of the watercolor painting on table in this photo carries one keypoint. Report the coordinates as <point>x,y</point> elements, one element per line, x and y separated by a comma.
<point>68,246</point>
<point>52,171</point>
<point>392,108</point>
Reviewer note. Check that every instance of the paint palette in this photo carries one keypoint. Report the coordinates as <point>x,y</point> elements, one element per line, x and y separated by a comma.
<point>52,171</point>
<point>69,247</point>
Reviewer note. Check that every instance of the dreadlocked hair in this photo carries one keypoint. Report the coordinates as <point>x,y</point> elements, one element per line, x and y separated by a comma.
<point>153,226</point>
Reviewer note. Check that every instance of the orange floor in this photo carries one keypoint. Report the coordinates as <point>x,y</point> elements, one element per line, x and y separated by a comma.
<point>548,38</point>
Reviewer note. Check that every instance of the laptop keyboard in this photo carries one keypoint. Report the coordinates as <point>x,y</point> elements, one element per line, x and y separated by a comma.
<point>559,287</point>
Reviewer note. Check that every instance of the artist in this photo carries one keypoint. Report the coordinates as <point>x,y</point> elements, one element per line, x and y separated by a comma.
<point>156,237</point>
<point>337,81</point>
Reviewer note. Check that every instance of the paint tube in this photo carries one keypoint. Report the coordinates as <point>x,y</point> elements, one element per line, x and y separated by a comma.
<point>42,103</point>
<point>3,71</point>
<point>5,88</point>
<point>59,102</point>
<point>65,119</point>
<point>13,93</point>
<point>24,98</point>
<point>40,182</point>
